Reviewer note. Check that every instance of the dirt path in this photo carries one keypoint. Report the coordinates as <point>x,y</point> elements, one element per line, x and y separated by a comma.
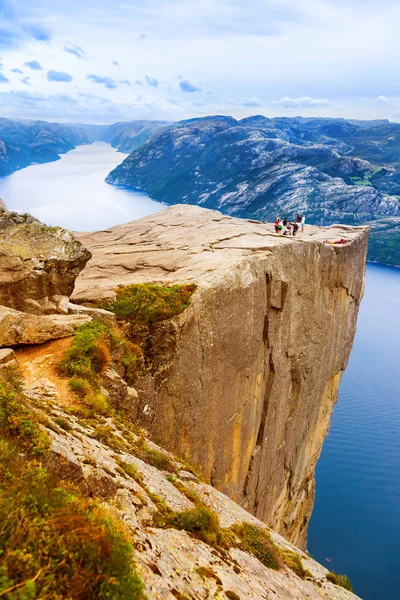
<point>40,361</point>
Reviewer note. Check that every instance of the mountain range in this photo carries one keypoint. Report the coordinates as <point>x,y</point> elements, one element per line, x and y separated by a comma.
<point>331,170</point>
<point>23,143</point>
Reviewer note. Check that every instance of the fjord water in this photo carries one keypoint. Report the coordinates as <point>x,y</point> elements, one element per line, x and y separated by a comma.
<point>356,520</point>
<point>72,193</point>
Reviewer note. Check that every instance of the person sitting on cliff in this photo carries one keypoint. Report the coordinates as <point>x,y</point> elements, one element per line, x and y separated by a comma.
<point>278,220</point>
<point>285,227</point>
<point>295,228</point>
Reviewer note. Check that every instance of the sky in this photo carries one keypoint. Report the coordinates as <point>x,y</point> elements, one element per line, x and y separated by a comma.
<point>102,61</point>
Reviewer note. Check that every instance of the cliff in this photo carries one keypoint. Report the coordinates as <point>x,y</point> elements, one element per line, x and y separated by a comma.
<point>244,381</point>
<point>80,478</point>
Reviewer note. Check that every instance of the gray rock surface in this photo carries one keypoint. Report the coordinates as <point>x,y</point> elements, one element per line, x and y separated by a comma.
<point>248,375</point>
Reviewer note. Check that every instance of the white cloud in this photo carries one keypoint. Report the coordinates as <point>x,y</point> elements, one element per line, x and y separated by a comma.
<point>302,101</point>
<point>250,102</point>
<point>298,56</point>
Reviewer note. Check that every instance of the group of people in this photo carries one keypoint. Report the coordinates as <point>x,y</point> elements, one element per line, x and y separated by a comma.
<point>285,227</point>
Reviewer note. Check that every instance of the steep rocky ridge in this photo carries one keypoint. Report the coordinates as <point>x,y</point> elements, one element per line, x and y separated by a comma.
<point>127,136</point>
<point>244,381</point>
<point>24,143</point>
<point>187,539</point>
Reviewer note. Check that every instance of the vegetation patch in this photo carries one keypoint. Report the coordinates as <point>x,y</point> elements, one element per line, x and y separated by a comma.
<point>293,561</point>
<point>89,355</point>
<point>17,420</point>
<point>131,470</point>
<point>55,543</point>
<point>152,456</point>
<point>106,435</point>
<point>258,543</point>
<point>147,303</point>
<point>341,580</point>
<point>207,573</point>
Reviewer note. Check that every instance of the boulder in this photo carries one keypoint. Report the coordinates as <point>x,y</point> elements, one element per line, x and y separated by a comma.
<point>23,328</point>
<point>38,264</point>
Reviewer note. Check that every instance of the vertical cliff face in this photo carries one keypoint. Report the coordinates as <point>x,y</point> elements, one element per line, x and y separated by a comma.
<point>245,380</point>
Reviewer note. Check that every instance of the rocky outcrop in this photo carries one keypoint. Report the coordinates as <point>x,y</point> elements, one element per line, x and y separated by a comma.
<point>245,380</point>
<point>24,328</point>
<point>38,264</point>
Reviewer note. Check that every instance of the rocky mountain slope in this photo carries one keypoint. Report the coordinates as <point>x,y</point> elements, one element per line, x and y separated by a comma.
<point>330,169</point>
<point>23,143</point>
<point>79,476</point>
<point>127,136</point>
<point>245,381</point>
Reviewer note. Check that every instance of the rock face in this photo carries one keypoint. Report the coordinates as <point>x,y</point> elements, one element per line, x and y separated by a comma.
<point>38,264</point>
<point>248,375</point>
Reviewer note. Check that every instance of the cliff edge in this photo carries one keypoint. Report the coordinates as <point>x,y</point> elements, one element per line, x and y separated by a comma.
<point>244,381</point>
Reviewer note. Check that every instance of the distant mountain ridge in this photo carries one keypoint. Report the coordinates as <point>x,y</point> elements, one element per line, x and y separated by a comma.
<point>23,142</point>
<point>332,170</point>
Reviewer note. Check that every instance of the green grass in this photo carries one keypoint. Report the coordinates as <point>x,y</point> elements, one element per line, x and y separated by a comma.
<point>152,456</point>
<point>200,521</point>
<point>341,580</point>
<point>147,303</point>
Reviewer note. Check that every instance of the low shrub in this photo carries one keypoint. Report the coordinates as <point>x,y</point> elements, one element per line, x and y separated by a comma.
<point>293,561</point>
<point>200,521</point>
<point>131,470</point>
<point>80,386</point>
<point>341,580</point>
<point>146,303</point>
<point>17,420</point>
<point>55,543</point>
<point>89,354</point>
<point>258,543</point>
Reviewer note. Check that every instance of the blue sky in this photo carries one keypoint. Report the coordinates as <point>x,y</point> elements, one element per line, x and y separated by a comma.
<point>101,61</point>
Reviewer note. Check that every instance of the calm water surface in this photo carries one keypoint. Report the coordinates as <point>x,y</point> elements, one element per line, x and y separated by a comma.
<point>72,193</point>
<point>355,528</point>
<point>356,520</point>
